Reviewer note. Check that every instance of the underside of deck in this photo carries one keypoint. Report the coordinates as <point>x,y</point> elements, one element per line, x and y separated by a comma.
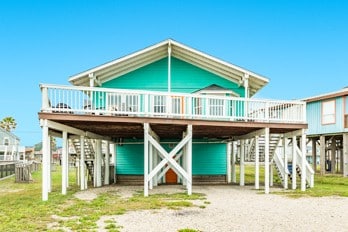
<point>128,127</point>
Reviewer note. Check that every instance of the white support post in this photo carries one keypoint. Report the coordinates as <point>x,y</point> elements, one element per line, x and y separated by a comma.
<point>257,163</point>
<point>146,159</point>
<point>98,163</point>
<point>271,174</point>
<point>51,164</point>
<point>107,164</point>
<point>228,154</point>
<point>294,162</point>
<point>267,160</point>
<point>155,162</point>
<point>285,162</point>
<point>322,155</point>
<point>114,160</point>
<point>169,66</point>
<point>184,165</point>
<point>151,166</point>
<point>45,160</point>
<point>345,155</point>
<point>233,160</point>
<point>242,166</point>
<point>82,163</point>
<point>189,160</point>
<point>67,162</point>
<point>64,162</point>
<point>303,163</point>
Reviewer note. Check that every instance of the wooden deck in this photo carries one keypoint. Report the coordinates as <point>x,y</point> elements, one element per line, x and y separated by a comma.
<point>166,128</point>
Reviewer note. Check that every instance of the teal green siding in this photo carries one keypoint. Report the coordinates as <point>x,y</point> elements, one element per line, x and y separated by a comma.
<point>314,115</point>
<point>207,159</point>
<point>185,78</point>
<point>130,159</point>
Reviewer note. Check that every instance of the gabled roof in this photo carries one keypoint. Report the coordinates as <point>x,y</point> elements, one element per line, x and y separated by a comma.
<point>216,89</point>
<point>9,134</point>
<point>159,51</point>
<point>339,93</point>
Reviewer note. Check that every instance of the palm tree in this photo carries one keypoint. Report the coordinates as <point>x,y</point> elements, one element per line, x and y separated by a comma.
<point>8,123</point>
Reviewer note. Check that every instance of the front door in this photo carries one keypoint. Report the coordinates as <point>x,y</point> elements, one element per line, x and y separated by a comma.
<point>171,177</point>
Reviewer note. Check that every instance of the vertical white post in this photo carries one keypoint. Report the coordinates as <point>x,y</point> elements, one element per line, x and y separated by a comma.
<point>257,163</point>
<point>64,163</point>
<point>45,160</point>
<point>45,101</point>
<point>67,162</point>
<point>294,162</point>
<point>271,174</point>
<point>107,164</point>
<point>233,160</point>
<point>242,166</point>
<point>285,162</point>
<point>99,162</point>
<point>345,155</point>
<point>82,163</point>
<point>155,162</point>
<point>169,66</point>
<point>51,163</point>
<point>228,154</point>
<point>189,160</point>
<point>266,160</point>
<point>146,159</point>
<point>184,164</point>
<point>114,160</point>
<point>151,165</point>
<point>303,163</point>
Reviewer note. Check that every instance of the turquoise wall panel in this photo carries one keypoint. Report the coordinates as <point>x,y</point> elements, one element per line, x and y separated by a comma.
<point>207,159</point>
<point>186,78</point>
<point>130,159</point>
<point>315,127</point>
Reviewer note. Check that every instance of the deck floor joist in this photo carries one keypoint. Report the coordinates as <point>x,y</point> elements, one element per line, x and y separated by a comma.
<point>166,128</point>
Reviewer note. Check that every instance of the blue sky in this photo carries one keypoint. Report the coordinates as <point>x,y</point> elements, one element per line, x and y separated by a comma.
<point>301,46</point>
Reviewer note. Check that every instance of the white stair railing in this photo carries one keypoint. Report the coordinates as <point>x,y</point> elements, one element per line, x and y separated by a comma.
<point>309,170</point>
<point>284,172</point>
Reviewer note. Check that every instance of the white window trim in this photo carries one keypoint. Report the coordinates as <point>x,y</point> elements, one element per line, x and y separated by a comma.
<point>332,115</point>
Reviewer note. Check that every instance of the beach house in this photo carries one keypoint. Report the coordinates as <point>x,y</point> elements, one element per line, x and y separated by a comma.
<point>10,148</point>
<point>327,116</point>
<point>170,114</point>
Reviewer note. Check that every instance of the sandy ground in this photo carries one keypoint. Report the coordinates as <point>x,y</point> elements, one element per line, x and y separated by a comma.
<point>234,208</point>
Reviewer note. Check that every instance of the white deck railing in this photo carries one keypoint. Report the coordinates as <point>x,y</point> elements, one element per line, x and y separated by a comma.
<point>106,101</point>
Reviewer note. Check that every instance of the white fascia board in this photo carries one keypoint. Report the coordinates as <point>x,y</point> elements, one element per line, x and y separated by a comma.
<point>106,65</point>
<point>264,79</point>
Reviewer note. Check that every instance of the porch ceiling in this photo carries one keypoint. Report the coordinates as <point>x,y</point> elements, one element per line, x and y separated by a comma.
<point>132,127</point>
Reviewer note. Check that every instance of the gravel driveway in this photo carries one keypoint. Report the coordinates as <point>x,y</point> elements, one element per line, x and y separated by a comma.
<point>235,208</point>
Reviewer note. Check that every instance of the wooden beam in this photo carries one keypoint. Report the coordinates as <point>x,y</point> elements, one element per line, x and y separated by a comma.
<point>322,155</point>
<point>251,134</point>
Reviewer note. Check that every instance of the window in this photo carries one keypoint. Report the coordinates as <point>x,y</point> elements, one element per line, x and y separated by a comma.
<point>6,141</point>
<point>159,104</point>
<point>328,112</point>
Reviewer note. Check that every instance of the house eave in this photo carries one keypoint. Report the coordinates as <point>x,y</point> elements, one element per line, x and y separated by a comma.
<point>159,51</point>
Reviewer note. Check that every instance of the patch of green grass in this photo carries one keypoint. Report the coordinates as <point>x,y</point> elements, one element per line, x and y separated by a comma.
<point>328,185</point>
<point>188,230</point>
<point>21,207</point>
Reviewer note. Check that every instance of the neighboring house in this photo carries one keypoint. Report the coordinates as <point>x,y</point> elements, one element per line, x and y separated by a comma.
<point>10,149</point>
<point>327,117</point>
<point>172,115</point>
